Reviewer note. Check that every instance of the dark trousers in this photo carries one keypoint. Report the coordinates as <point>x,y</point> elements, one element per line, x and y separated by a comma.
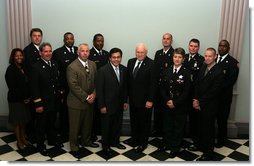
<point>158,115</point>
<point>63,117</point>
<point>173,124</point>
<point>31,125</point>
<point>222,121</point>
<point>96,120</point>
<point>206,130</point>
<point>45,125</point>
<point>140,118</point>
<point>194,116</point>
<point>111,125</point>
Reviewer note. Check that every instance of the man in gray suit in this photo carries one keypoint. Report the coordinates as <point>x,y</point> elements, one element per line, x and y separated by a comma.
<point>81,80</point>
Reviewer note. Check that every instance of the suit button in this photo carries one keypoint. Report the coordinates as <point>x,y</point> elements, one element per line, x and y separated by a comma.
<point>53,86</point>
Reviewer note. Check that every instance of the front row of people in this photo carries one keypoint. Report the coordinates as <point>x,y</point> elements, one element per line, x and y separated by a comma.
<point>111,85</point>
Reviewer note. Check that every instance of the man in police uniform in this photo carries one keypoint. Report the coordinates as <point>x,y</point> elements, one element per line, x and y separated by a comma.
<point>230,69</point>
<point>44,89</point>
<point>162,60</point>
<point>64,56</point>
<point>193,61</point>
<point>101,58</point>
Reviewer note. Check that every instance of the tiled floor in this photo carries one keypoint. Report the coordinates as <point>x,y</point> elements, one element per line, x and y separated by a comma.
<point>235,150</point>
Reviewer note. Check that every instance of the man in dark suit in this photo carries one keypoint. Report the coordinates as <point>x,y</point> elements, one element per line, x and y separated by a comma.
<point>193,62</point>
<point>230,69</point>
<point>64,56</point>
<point>141,87</point>
<point>32,55</point>
<point>101,58</point>
<point>111,91</point>
<point>162,60</point>
<point>81,80</point>
<point>44,90</point>
<point>175,88</point>
<point>206,99</point>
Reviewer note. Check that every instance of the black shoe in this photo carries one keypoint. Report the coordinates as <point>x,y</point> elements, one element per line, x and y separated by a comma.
<point>57,145</point>
<point>119,146</point>
<point>94,138</point>
<point>156,134</point>
<point>204,158</point>
<point>172,154</point>
<point>75,154</point>
<point>193,148</point>
<point>140,149</point>
<point>93,145</point>
<point>219,145</point>
<point>131,142</point>
<point>163,148</point>
<point>107,151</point>
<point>44,152</point>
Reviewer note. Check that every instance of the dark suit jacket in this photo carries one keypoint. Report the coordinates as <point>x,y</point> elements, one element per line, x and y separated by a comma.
<point>110,93</point>
<point>194,64</point>
<point>32,55</point>
<point>44,83</point>
<point>162,62</point>
<point>142,88</point>
<point>100,60</point>
<point>208,87</point>
<point>229,65</point>
<point>63,58</point>
<point>17,83</point>
<point>81,84</point>
<point>175,87</point>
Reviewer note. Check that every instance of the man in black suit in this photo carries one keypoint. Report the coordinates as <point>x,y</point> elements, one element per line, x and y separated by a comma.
<point>32,55</point>
<point>44,91</point>
<point>206,99</point>
<point>230,69</point>
<point>162,60</point>
<point>175,87</point>
<point>101,58</point>
<point>111,91</point>
<point>64,56</point>
<point>141,85</point>
<point>193,62</point>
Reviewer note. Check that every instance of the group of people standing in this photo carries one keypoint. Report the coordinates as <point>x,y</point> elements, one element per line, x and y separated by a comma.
<point>90,89</point>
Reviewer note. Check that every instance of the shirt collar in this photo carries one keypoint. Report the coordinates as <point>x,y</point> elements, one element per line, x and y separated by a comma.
<point>84,63</point>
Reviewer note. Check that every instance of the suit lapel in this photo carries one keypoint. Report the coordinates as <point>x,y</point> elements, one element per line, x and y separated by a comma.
<point>114,73</point>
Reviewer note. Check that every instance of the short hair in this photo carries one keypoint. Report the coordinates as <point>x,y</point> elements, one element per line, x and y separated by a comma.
<point>224,40</point>
<point>115,50</point>
<point>68,33</point>
<point>44,44</point>
<point>13,53</point>
<point>96,35</point>
<point>83,44</point>
<point>211,49</point>
<point>142,44</point>
<point>35,30</point>
<point>180,51</point>
<point>195,41</point>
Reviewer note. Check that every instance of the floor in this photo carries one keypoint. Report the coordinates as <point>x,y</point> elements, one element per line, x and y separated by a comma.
<point>234,150</point>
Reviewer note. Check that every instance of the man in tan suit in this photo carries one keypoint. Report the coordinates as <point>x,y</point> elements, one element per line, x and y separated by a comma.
<point>81,80</point>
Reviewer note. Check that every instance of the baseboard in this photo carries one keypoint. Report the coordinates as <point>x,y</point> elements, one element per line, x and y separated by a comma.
<point>235,129</point>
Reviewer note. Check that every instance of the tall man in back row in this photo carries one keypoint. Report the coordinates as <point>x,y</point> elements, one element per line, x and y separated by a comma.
<point>230,69</point>
<point>162,60</point>
<point>101,58</point>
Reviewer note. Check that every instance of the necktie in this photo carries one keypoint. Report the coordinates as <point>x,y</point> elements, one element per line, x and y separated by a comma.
<point>71,51</point>
<point>117,73</point>
<point>49,63</point>
<point>87,69</point>
<point>190,57</point>
<point>100,53</point>
<point>220,58</point>
<point>135,71</point>
<point>175,71</point>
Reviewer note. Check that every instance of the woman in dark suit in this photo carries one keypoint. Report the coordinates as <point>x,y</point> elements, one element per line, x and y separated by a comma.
<point>175,89</point>
<point>18,96</point>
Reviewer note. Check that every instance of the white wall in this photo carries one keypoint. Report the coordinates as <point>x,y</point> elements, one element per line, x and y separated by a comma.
<point>124,23</point>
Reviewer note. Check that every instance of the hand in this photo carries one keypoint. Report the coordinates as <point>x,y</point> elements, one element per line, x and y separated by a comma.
<point>170,104</point>
<point>90,98</point>
<point>103,110</point>
<point>195,104</point>
<point>125,106</point>
<point>39,109</point>
<point>149,104</point>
